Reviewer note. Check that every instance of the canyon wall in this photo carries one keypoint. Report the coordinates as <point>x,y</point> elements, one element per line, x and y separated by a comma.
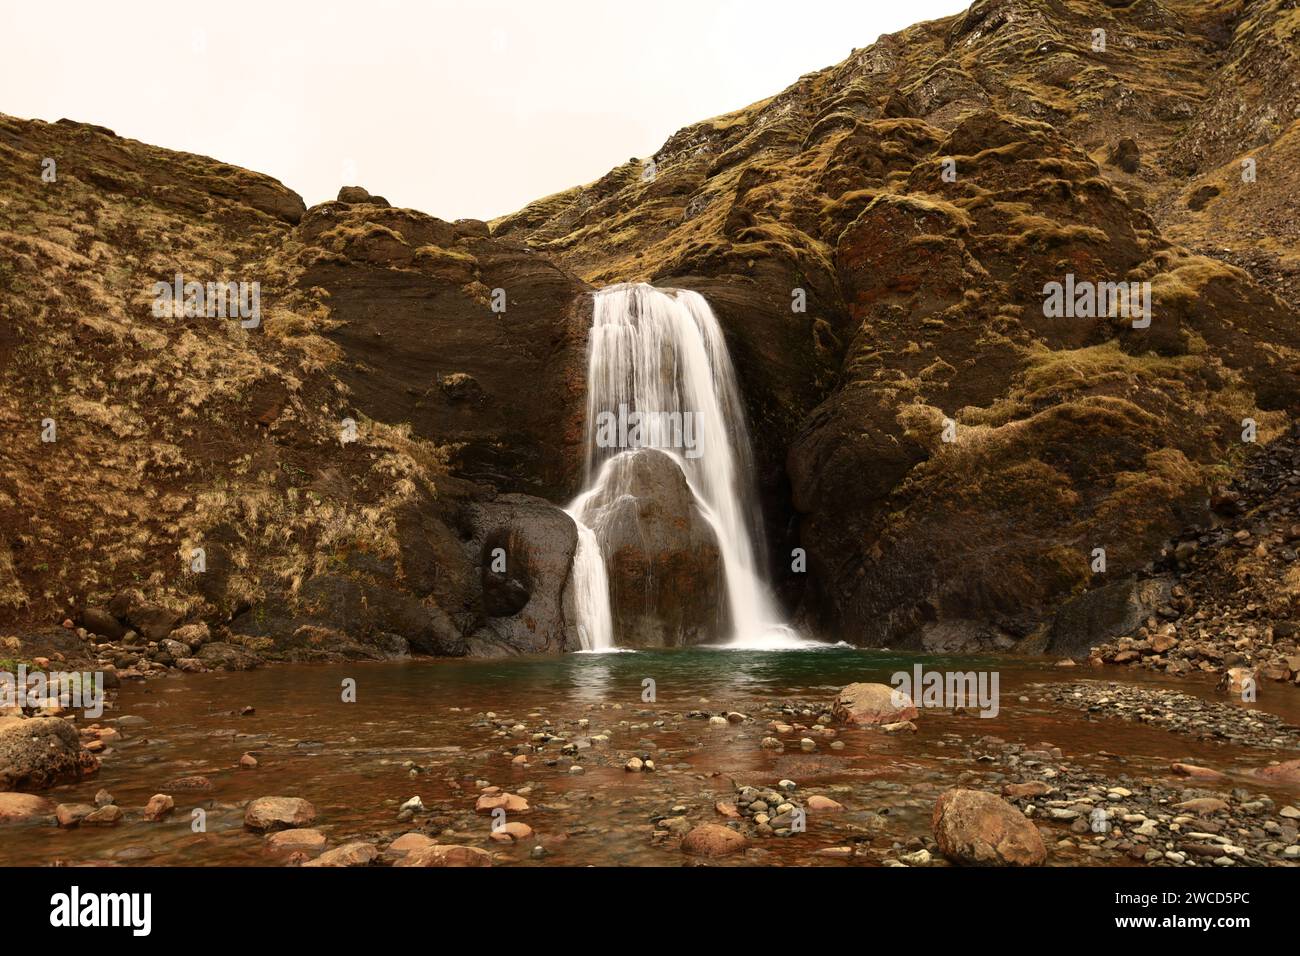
<point>875,240</point>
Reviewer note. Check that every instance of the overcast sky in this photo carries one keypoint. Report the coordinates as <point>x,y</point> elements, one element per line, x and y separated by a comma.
<point>460,109</point>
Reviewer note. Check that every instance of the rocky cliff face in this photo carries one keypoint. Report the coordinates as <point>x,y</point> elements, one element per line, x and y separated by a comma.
<point>319,480</point>
<point>876,240</point>
<point>954,453</point>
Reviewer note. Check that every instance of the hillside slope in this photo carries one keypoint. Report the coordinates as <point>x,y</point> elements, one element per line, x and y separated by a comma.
<point>295,450</point>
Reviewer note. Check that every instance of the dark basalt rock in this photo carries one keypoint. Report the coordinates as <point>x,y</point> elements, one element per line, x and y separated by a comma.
<point>661,555</point>
<point>356,194</point>
<point>1126,155</point>
<point>524,549</point>
<point>413,296</point>
<point>1103,613</point>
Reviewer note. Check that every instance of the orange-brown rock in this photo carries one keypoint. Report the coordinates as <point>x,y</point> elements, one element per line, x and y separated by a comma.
<point>873,704</point>
<point>713,840</point>
<point>980,829</point>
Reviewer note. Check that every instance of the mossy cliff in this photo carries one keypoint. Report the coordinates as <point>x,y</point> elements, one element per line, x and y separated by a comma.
<point>921,194</point>
<point>875,239</point>
<point>319,482</point>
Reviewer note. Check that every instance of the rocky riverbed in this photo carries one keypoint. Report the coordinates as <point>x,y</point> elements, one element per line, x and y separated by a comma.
<point>755,758</point>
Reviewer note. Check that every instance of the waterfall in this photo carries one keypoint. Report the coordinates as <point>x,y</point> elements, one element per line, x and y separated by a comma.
<point>657,360</point>
<point>591,592</point>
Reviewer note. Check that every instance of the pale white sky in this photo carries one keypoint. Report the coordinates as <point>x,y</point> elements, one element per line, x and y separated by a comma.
<point>459,109</point>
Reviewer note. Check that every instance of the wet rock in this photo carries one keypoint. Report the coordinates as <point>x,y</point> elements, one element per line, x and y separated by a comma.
<point>301,839</point>
<point>899,727</point>
<point>350,854</point>
<point>511,832</point>
<point>1287,773</point>
<point>823,804</point>
<point>108,816</point>
<point>727,810</point>
<point>408,843</point>
<point>713,840</point>
<point>228,657</point>
<point>23,807</point>
<point>442,855</point>
<point>872,704</point>
<point>527,605</point>
<point>71,814</point>
<point>979,829</point>
<point>511,803</point>
<point>38,752</point>
<point>194,782</point>
<point>159,805</point>
<point>661,554</point>
<point>279,813</point>
<point>1198,773</point>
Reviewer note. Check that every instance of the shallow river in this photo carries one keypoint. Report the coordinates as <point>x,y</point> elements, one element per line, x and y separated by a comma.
<point>420,728</point>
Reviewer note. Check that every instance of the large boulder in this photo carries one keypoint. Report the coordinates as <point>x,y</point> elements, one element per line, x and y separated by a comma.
<point>666,583</point>
<point>279,813</point>
<point>713,840</point>
<point>228,657</point>
<point>152,621</point>
<point>1101,614</point>
<point>979,829</point>
<point>98,621</point>
<point>522,549</point>
<point>38,752</point>
<point>872,704</point>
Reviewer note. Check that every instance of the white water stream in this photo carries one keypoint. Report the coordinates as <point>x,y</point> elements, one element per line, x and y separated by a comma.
<point>660,352</point>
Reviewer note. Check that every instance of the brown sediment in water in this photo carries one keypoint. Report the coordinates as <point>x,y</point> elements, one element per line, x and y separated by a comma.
<point>443,730</point>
